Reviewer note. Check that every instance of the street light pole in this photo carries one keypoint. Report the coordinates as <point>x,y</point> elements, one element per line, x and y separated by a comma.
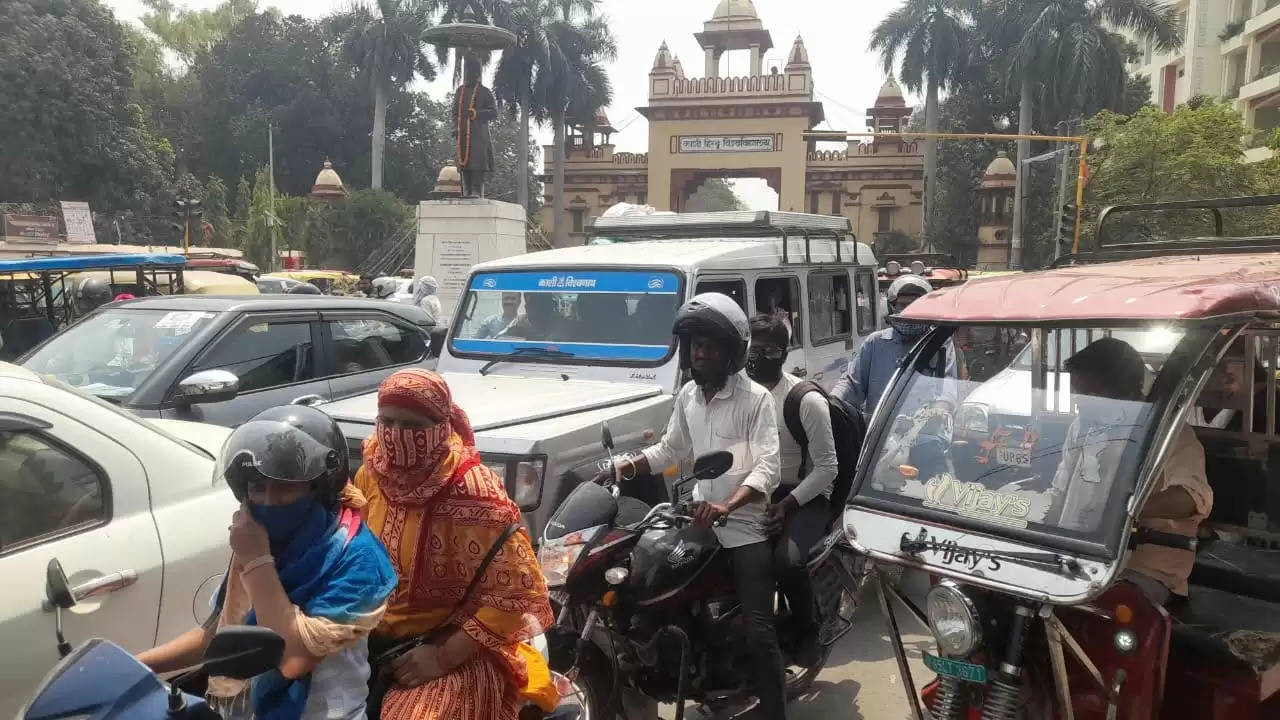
<point>271,171</point>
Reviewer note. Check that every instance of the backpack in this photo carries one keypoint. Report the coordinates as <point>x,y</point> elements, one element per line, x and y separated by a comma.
<point>848,430</point>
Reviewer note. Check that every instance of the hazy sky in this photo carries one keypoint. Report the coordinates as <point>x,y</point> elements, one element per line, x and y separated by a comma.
<point>846,76</point>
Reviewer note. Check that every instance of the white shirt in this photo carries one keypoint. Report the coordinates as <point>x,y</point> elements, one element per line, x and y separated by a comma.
<point>431,305</point>
<point>815,418</point>
<point>740,419</point>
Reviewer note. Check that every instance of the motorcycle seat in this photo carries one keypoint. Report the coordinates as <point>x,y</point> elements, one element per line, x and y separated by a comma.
<point>1238,568</point>
<point>1229,628</point>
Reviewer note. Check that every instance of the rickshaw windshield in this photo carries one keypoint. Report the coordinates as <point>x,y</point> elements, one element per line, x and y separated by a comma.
<point>1045,433</point>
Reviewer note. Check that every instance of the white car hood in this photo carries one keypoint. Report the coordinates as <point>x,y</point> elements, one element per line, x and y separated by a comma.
<point>206,437</point>
<point>497,401</point>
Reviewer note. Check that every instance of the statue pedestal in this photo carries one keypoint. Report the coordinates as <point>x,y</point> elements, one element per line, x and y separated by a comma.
<point>457,233</point>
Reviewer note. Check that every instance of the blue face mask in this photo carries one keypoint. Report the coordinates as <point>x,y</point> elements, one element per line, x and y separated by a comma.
<point>284,523</point>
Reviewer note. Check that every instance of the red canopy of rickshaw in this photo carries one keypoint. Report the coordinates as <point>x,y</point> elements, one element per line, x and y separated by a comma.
<point>1162,288</point>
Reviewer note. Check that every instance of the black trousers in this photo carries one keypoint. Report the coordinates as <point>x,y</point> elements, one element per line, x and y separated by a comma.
<point>805,526</point>
<point>754,584</point>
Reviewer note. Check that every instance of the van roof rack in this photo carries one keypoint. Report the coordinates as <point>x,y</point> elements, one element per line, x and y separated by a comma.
<point>1218,243</point>
<point>728,224</point>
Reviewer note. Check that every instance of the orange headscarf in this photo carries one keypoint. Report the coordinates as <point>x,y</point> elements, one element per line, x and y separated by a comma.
<point>414,464</point>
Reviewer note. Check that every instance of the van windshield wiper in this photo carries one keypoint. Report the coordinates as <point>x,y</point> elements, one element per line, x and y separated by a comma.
<point>951,549</point>
<point>540,352</point>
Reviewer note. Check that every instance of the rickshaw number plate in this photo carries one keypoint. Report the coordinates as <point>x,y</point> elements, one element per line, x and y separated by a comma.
<point>959,669</point>
<point>1019,457</point>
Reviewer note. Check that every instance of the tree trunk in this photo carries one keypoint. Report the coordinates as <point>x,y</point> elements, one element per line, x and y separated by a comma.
<point>522,152</point>
<point>1019,184</point>
<point>379,135</point>
<point>559,238</point>
<point>930,163</point>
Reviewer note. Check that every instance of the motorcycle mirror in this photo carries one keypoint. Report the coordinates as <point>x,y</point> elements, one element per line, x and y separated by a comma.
<point>712,465</point>
<point>56,587</point>
<point>606,437</point>
<point>243,651</point>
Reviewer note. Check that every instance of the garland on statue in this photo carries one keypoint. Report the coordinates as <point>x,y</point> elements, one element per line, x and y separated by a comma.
<point>464,132</point>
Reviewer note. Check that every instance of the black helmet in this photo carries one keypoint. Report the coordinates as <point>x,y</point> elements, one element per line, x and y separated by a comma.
<point>92,293</point>
<point>304,289</point>
<point>293,443</point>
<point>715,316</point>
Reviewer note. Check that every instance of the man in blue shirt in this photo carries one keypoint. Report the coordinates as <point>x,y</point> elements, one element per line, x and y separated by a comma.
<point>874,363</point>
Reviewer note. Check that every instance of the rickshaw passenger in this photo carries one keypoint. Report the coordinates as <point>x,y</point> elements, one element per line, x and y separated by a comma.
<point>1105,376</point>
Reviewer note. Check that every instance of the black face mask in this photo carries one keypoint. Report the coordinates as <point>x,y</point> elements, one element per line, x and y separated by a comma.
<point>762,368</point>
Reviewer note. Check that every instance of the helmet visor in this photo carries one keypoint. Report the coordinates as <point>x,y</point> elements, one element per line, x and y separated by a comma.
<point>272,450</point>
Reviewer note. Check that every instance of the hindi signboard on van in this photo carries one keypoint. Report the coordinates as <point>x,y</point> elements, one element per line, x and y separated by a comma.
<point>725,143</point>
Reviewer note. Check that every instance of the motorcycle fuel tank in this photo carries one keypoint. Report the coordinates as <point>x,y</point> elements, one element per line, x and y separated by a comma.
<point>589,505</point>
<point>666,561</point>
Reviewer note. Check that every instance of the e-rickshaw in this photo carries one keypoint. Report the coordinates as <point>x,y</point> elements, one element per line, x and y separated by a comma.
<point>1025,495</point>
<point>330,282</point>
<point>37,295</point>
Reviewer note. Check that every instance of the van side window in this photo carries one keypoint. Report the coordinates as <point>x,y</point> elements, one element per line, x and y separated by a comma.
<point>781,296</point>
<point>830,317</point>
<point>736,289</point>
<point>866,300</point>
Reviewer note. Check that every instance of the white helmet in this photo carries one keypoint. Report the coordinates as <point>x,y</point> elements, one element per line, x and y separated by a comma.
<point>717,316</point>
<point>908,281</point>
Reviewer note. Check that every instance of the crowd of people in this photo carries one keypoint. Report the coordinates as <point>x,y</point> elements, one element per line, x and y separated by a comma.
<point>410,591</point>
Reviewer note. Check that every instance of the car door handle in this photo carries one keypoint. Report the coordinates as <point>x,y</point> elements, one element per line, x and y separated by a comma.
<point>110,583</point>
<point>799,371</point>
<point>308,400</point>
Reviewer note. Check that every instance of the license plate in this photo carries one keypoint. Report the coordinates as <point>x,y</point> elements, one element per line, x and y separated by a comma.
<point>959,669</point>
<point>1013,456</point>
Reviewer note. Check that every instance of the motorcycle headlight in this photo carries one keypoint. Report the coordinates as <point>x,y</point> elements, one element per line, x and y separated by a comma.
<point>974,418</point>
<point>522,478</point>
<point>556,557</point>
<point>953,619</point>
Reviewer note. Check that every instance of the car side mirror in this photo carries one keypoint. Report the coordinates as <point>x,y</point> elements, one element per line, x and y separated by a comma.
<point>208,386</point>
<point>56,587</point>
<point>712,465</point>
<point>243,651</point>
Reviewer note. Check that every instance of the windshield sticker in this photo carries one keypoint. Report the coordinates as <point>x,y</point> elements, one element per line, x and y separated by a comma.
<point>180,320</point>
<point>945,492</point>
<point>652,283</point>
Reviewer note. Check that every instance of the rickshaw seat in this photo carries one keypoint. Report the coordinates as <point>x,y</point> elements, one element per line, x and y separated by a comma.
<point>1240,569</point>
<point>1229,628</point>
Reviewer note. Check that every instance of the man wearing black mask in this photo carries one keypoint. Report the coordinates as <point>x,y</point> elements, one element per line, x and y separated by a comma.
<point>798,513</point>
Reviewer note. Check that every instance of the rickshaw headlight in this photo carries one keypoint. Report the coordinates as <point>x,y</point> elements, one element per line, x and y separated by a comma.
<point>974,418</point>
<point>953,619</point>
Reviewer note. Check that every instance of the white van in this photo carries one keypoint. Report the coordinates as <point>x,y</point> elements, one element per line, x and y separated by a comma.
<point>591,340</point>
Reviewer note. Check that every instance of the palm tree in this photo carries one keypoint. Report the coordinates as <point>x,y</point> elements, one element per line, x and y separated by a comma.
<point>1069,50</point>
<point>386,47</point>
<point>519,68</point>
<point>933,39</point>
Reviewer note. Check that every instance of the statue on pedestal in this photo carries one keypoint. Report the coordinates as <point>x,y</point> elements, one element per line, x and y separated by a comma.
<point>473,109</point>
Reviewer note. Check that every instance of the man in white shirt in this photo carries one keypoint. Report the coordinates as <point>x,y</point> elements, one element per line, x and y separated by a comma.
<point>723,410</point>
<point>798,516</point>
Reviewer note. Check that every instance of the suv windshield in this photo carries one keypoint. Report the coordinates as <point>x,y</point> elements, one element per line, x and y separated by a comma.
<point>619,316</point>
<point>1054,451</point>
<point>111,352</point>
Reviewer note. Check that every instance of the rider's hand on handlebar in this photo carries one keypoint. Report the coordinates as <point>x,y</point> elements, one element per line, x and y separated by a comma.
<point>706,513</point>
<point>775,517</point>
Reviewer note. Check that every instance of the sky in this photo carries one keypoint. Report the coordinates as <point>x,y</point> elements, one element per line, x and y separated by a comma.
<point>835,32</point>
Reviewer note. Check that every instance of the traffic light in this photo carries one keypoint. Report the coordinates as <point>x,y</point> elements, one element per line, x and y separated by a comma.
<point>1067,231</point>
<point>186,211</point>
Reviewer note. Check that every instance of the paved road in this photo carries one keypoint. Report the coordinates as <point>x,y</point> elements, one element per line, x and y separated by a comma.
<point>861,680</point>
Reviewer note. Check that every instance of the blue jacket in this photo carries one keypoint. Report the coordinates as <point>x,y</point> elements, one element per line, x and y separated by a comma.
<point>874,363</point>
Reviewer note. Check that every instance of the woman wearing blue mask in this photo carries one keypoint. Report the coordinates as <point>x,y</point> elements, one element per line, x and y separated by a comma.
<point>303,564</point>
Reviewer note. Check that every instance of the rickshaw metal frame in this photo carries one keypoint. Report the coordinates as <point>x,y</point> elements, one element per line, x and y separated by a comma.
<point>144,268</point>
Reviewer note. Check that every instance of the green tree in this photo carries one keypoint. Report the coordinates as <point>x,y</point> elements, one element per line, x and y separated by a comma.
<point>934,40</point>
<point>71,127</point>
<point>386,46</point>
<point>713,195</point>
<point>216,212</point>
<point>1069,51</point>
<point>895,242</point>
<point>191,33</point>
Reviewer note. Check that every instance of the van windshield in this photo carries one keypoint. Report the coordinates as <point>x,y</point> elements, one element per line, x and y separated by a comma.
<point>617,316</point>
<point>1054,451</point>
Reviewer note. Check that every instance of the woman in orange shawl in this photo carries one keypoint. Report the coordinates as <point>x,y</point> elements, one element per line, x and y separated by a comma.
<point>438,510</point>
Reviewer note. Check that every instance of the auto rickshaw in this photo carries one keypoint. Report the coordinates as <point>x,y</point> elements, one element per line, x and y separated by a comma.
<point>330,282</point>
<point>225,265</point>
<point>1025,495</point>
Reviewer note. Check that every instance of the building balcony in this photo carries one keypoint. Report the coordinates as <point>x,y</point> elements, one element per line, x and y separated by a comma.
<point>1264,20</point>
<point>1266,82</point>
<point>597,157</point>
<point>1236,43</point>
<point>1258,154</point>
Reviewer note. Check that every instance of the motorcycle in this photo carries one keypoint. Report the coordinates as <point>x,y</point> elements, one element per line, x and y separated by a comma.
<point>646,607</point>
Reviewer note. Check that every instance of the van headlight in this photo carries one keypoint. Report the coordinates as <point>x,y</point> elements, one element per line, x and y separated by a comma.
<point>974,418</point>
<point>522,477</point>
<point>953,619</point>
